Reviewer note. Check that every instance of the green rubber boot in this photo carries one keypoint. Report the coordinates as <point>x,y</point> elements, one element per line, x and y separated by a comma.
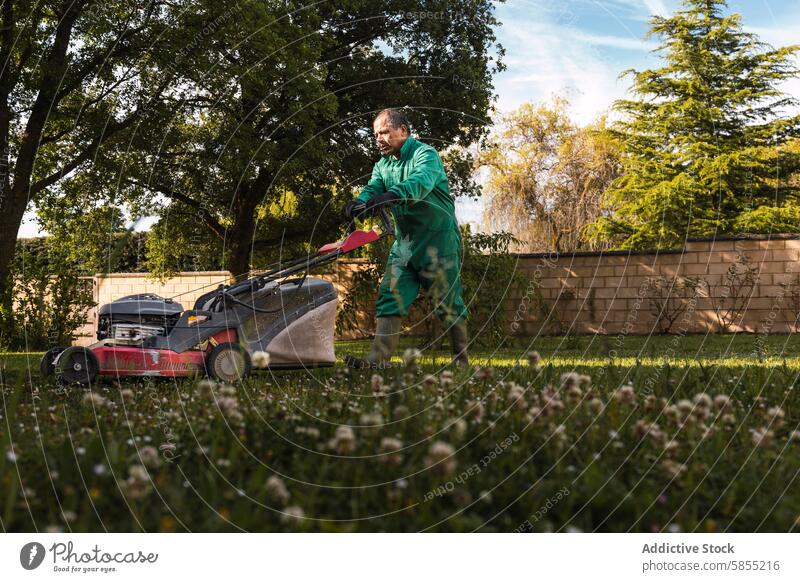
<point>459,340</point>
<point>387,336</point>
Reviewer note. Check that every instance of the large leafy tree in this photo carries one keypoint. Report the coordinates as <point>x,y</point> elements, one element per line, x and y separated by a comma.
<point>68,83</point>
<point>269,126</point>
<point>546,176</point>
<point>706,136</point>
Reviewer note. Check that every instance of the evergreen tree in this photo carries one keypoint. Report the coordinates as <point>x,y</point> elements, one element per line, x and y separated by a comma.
<point>707,137</point>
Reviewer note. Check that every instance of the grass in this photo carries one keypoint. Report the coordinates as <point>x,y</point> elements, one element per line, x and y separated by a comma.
<point>504,447</point>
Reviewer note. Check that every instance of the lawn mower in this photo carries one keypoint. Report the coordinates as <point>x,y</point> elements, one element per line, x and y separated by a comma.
<point>281,311</point>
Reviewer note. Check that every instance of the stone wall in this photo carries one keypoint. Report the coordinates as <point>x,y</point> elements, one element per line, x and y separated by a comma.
<point>616,292</point>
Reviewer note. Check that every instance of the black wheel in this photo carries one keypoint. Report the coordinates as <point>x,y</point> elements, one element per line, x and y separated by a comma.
<point>47,365</point>
<point>77,366</point>
<point>228,362</point>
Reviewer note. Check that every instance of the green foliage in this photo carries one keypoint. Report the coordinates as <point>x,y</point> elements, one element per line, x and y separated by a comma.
<point>50,298</point>
<point>769,219</point>
<point>705,138</point>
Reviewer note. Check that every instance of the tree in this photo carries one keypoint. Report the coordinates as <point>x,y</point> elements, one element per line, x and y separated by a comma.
<point>546,176</point>
<point>68,72</point>
<point>705,134</point>
<point>268,131</point>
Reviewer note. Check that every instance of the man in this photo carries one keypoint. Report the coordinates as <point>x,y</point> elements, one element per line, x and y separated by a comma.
<point>426,254</point>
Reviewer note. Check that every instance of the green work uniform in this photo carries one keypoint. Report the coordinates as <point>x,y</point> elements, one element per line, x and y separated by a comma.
<point>427,248</point>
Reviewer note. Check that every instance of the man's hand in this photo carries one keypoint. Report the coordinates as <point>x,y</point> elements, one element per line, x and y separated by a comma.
<point>377,203</point>
<point>352,209</point>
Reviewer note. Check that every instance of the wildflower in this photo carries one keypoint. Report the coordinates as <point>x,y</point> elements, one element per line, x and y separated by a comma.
<point>775,416</point>
<point>344,440</point>
<point>429,381</point>
<point>390,447</point>
<point>457,427</point>
<point>371,419</point>
<point>722,402</point>
<point>411,356</point>
<point>516,396</point>
<point>149,457</point>
<point>559,436</point>
<point>702,400</point>
<point>574,394</point>
<point>205,388</point>
<point>401,411</point>
<point>685,407</point>
<point>446,379</point>
<point>794,436</point>
<point>293,515</point>
<point>596,405</point>
<point>672,468</point>
<point>762,437</point>
<point>534,359</point>
<point>94,399</point>
<point>569,380</point>
<point>137,485</point>
<point>625,394</point>
<point>127,395</point>
<point>276,490</point>
<point>376,382</point>
<point>229,406</point>
<point>441,458</point>
<point>475,408</point>
<point>260,359</point>
<point>483,372</point>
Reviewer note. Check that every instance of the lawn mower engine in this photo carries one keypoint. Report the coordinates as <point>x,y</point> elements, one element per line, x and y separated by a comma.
<point>131,319</point>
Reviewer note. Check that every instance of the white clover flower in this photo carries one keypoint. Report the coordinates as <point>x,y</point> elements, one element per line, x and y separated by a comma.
<point>127,395</point>
<point>94,399</point>
<point>762,437</point>
<point>293,515</point>
<point>625,394</point>
<point>534,359</point>
<point>205,388</point>
<point>149,457</point>
<point>376,382</point>
<point>411,356</point>
<point>672,468</point>
<point>702,400</point>
<point>441,458</point>
<point>344,440</point>
<point>276,490</point>
<point>390,448</point>
<point>722,402</point>
<point>260,359</point>
<point>570,379</point>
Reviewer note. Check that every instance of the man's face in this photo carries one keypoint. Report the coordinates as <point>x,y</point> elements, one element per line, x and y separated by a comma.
<point>389,139</point>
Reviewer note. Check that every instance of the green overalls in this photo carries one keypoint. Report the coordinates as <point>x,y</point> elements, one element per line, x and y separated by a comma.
<point>427,248</point>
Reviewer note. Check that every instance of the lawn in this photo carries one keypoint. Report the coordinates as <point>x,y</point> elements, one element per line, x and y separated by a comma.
<point>668,433</point>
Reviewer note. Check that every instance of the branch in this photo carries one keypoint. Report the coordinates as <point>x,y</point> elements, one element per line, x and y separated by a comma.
<point>207,217</point>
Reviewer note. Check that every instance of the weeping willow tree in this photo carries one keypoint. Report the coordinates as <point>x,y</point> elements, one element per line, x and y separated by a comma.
<point>546,176</point>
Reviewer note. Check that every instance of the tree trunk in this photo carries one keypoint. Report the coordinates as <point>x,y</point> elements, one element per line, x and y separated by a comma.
<point>239,238</point>
<point>12,209</point>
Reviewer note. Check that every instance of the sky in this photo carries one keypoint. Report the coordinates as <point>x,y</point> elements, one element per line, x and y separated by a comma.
<point>578,48</point>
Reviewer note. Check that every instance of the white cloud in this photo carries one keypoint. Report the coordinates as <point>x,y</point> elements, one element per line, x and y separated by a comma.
<point>656,7</point>
<point>545,60</point>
